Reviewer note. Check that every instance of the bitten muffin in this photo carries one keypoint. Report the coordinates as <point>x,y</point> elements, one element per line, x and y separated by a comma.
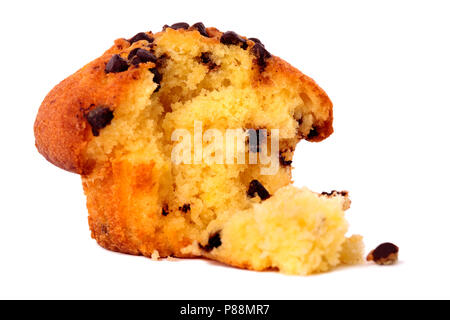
<point>113,121</point>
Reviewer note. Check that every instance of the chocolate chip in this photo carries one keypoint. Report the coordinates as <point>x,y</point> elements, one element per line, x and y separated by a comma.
<point>200,27</point>
<point>256,40</point>
<point>261,55</point>
<point>256,188</point>
<point>157,78</point>
<point>213,242</point>
<point>313,133</point>
<point>162,60</point>
<point>146,56</point>
<point>116,64</point>
<point>139,55</point>
<point>176,26</point>
<point>99,118</point>
<point>135,61</point>
<point>141,36</point>
<point>185,208</point>
<point>132,53</point>
<point>255,146</point>
<point>231,37</point>
<point>165,210</point>
<point>205,58</point>
<point>285,162</point>
<point>333,193</point>
<point>384,254</point>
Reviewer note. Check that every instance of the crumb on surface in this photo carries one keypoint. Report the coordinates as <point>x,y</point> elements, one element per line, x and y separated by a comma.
<point>155,255</point>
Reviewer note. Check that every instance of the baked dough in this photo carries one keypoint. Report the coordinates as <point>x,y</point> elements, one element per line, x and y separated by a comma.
<point>112,122</point>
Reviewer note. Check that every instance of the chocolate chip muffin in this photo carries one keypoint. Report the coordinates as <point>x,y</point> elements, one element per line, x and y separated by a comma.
<point>113,122</point>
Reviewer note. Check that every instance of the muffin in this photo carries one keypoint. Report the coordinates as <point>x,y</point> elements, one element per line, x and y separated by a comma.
<point>184,141</point>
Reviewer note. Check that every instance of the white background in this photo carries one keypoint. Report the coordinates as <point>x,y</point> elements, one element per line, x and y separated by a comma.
<point>386,67</point>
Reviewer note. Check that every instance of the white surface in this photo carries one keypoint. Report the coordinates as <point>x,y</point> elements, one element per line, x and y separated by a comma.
<point>386,67</point>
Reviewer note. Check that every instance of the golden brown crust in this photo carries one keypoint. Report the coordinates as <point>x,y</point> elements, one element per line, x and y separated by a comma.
<point>60,129</point>
<point>62,132</point>
<point>113,195</point>
<point>324,126</point>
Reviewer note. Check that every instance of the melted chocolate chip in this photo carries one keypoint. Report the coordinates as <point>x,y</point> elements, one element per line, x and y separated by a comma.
<point>231,37</point>
<point>178,25</point>
<point>157,78</point>
<point>256,40</point>
<point>313,133</point>
<point>200,27</point>
<point>256,188</point>
<point>185,208</point>
<point>255,146</point>
<point>285,162</point>
<point>205,58</point>
<point>99,118</point>
<point>141,36</point>
<point>213,242</point>
<point>261,55</point>
<point>116,64</point>
<point>162,60</point>
<point>165,210</point>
